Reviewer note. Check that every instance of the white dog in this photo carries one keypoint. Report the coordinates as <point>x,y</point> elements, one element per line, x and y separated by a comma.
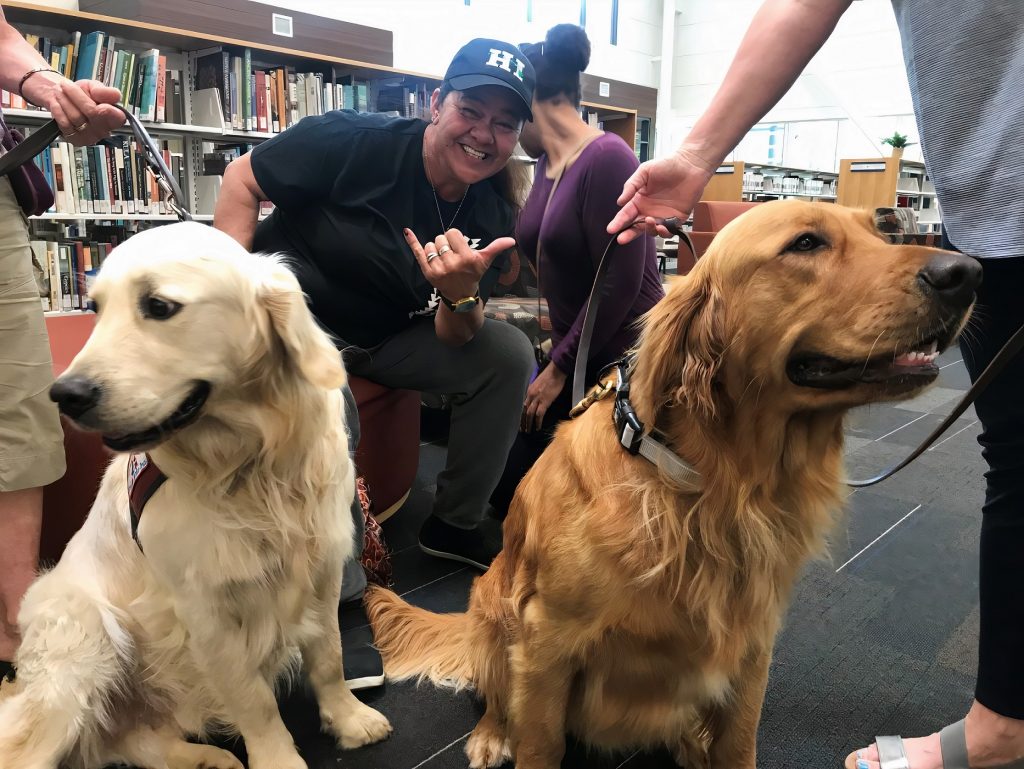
<point>207,358</point>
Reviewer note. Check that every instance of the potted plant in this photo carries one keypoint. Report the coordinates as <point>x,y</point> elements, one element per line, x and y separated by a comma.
<point>898,142</point>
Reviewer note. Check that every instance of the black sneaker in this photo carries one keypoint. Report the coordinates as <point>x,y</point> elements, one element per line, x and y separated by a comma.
<point>364,668</point>
<point>469,546</point>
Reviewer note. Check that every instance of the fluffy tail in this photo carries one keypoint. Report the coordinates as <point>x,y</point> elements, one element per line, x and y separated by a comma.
<point>70,666</point>
<point>446,649</point>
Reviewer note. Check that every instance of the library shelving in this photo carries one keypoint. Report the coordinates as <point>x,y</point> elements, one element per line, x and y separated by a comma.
<point>209,80</point>
<point>208,85</point>
<point>890,182</point>
<point>604,103</point>
<point>743,181</point>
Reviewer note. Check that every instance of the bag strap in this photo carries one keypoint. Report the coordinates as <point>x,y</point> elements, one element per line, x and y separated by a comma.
<point>554,186</point>
<point>31,146</point>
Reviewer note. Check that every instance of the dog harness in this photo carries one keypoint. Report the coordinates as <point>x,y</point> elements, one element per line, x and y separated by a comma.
<point>144,478</point>
<point>630,430</point>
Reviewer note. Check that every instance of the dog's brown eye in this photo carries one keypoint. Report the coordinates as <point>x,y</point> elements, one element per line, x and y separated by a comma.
<point>806,242</point>
<point>158,309</point>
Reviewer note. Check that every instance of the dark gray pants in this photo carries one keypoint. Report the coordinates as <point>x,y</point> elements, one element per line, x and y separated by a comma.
<point>485,379</point>
<point>353,578</point>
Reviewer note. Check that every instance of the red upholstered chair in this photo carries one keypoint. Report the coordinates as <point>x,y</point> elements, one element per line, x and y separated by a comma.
<point>387,457</point>
<point>709,216</point>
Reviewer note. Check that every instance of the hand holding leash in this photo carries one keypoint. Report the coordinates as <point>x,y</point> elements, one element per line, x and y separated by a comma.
<point>669,187</point>
<point>85,111</point>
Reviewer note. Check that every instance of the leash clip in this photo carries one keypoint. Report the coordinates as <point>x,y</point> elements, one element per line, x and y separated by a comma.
<point>598,392</point>
<point>628,426</point>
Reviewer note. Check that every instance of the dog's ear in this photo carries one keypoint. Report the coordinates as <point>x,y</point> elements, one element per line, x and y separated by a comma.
<point>682,346</point>
<point>306,345</point>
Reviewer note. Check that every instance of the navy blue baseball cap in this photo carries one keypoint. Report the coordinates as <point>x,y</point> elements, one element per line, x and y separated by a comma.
<point>493,62</point>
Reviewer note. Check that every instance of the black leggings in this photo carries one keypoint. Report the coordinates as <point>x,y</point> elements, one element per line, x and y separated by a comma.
<point>999,313</point>
<point>527,449</point>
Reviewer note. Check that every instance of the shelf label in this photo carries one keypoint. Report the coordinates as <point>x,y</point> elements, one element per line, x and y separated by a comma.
<point>604,89</point>
<point>726,170</point>
<point>867,167</point>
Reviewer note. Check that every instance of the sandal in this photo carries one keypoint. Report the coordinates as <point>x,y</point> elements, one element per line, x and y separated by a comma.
<point>953,742</point>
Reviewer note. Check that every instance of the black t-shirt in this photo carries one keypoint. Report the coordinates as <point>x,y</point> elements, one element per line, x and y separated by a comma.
<point>344,185</point>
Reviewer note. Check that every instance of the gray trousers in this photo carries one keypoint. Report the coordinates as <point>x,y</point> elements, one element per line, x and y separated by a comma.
<point>353,578</point>
<point>485,380</point>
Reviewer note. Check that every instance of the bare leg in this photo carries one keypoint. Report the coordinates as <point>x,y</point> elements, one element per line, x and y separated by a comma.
<point>21,514</point>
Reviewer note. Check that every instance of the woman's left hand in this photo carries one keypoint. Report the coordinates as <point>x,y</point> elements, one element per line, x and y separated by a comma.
<point>84,110</point>
<point>540,395</point>
<point>451,266</point>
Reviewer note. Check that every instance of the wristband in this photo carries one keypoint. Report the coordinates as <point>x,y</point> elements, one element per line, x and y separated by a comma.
<point>27,75</point>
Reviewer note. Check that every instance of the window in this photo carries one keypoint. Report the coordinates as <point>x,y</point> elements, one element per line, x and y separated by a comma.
<point>583,13</point>
<point>615,22</point>
<point>529,10</point>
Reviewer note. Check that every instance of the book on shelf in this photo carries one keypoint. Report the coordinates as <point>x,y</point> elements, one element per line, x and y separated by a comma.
<point>254,95</point>
<point>110,177</point>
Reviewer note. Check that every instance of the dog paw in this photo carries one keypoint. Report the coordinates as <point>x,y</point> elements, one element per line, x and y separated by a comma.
<point>191,756</point>
<point>487,748</point>
<point>361,725</point>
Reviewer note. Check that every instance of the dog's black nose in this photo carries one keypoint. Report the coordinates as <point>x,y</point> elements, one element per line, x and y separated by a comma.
<point>75,395</point>
<point>954,277</point>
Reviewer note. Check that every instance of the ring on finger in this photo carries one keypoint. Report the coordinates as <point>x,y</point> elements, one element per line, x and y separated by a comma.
<point>432,255</point>
<point>82,127</point>
<point>444,250</point>
<point>71,133</point>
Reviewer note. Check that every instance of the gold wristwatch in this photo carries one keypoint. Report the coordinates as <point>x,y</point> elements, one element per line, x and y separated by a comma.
<point>466,304</point>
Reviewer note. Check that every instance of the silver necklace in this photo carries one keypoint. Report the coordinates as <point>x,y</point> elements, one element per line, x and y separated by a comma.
<point>437,203</point>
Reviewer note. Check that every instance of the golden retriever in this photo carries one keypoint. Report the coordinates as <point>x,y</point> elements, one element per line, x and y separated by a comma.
<point>633,611</point>
<point>206,357</point>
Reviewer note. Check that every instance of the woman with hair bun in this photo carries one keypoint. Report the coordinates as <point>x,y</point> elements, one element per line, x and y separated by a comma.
<point>561,230</point>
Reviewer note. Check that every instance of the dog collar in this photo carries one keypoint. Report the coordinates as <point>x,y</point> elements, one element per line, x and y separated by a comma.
<point>630,430</point>
<point>144,478</point>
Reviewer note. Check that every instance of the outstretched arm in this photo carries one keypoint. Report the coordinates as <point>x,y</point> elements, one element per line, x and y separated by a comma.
<point>782,38</point>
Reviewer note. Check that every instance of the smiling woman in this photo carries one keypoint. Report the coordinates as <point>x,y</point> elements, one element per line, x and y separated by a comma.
<point>396,229</point>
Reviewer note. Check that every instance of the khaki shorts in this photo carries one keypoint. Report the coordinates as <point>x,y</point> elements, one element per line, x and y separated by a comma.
<point>31,438</point>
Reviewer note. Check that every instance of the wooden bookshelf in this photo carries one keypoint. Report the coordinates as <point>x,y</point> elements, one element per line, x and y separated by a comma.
<point>185,39</point>
<point>890,182</point>
<point>183,32</point>
<point>620,121</point>
<point>754,182</point>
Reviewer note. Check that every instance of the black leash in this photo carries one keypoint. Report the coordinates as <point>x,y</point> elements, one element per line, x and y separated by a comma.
<point>597,293</point>
<point>42,137</point>
<point>1011,348</point>
<point>674,225</point>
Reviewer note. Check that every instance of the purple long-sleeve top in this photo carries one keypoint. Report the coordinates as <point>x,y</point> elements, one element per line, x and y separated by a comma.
<point>574,237</point>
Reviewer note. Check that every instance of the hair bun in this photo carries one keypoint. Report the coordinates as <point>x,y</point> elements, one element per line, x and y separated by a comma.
<point>568,43</point>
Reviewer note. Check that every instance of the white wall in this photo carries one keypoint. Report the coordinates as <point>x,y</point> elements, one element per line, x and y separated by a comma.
<point>852,93</point>
<point>429,32</point>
